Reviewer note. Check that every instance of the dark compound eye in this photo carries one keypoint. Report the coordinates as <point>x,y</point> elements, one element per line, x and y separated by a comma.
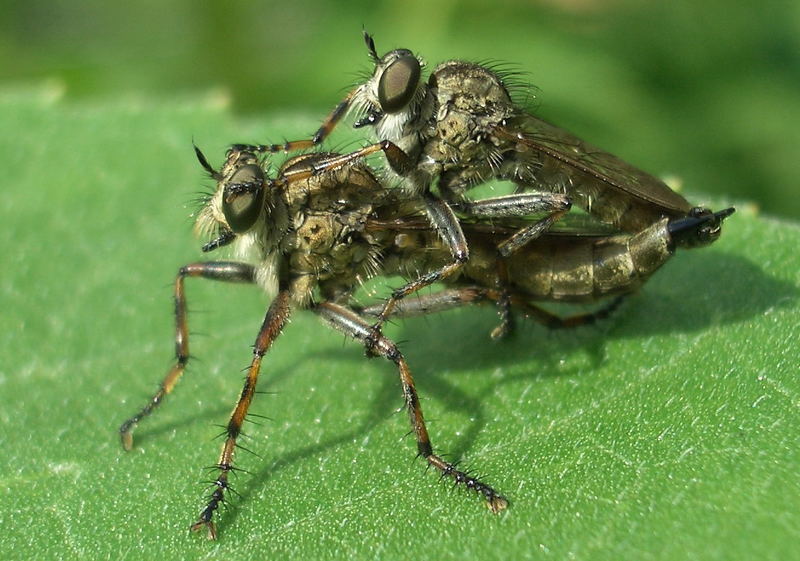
<point>398,83</point>
<point>243,198</point>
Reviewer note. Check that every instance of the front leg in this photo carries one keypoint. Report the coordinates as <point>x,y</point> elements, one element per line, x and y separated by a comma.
<point>274,321</point>
<point>322,133</point>
<point>228,271</point>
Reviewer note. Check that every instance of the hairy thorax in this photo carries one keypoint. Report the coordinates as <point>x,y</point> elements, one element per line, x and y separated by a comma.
<point>326,245</point>
<point>471,101</point>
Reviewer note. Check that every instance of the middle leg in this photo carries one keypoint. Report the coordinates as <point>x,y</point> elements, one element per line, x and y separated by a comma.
<point>452,298</point>
<point>350,323</point>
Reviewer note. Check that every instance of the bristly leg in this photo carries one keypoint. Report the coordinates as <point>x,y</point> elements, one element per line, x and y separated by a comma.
<point>442,217</point>
<point>228,271</point>
<point>353,325</point>
<point>273,324</point>
<point>504,299</point>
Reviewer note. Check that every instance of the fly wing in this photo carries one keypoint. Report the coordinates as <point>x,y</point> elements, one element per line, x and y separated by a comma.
<point>609,188</point>
<point>572,225</point>
<point>576,224</point>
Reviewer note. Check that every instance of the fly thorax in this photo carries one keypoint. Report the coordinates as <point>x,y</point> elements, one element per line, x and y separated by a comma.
<point>316,233</point>
<point>469,86</point>
<point>471,100</point>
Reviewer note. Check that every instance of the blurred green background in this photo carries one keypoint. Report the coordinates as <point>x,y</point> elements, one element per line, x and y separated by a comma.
<point>667,433</point>
<point>708,91</point>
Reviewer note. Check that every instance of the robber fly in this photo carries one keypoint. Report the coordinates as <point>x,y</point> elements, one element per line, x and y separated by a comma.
<point>321,227</point>
<point>461,128</point>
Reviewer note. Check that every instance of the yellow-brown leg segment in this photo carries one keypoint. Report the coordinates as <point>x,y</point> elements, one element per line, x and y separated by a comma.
<point>322,133</point>
<point>228,271</point>
<point>333,118</point>
<point>288,146</point>
<point>334,162</point>
<point>394,154</point>
<point>274,321</point>
<point>350,323</point>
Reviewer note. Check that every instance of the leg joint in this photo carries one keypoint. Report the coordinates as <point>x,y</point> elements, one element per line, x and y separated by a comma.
<point>425,449</point>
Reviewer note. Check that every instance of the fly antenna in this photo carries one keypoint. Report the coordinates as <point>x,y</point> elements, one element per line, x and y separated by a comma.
<point>373,54</point>
<point>204,162</point>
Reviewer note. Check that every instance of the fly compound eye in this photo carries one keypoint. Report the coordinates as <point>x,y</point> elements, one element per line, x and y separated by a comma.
<point>243,198</point>
<point>398,83</point>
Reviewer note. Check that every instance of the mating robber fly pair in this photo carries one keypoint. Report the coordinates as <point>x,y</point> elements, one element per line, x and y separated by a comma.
<point>325,223</point>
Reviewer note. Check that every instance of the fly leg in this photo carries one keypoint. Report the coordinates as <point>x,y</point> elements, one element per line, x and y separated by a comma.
<point>443,300</point>
<point>446,223</point>
<point>519,205</point>
<point>330,163</point>
<point>503,303</point>
<point>350,323</point>
<point>288,146</point>
<point>227,271</point>
<point>442,217</point>
<point>322,133</point>
<point>452,298</point>
<point>554,321</point>
<point>333,118</point>
<point>275,319</point>
<point>398,159</point>
<point>400,162</point>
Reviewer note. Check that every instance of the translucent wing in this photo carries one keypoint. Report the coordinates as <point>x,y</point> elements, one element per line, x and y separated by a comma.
<point>607,187</point>
<point>572,225</point>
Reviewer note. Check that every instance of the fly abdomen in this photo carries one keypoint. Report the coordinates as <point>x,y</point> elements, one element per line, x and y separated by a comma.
<point>584,269</point>
<point>625,262</point>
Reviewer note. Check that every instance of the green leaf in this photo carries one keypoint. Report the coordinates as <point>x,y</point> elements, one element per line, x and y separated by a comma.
<point>669,431</point>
